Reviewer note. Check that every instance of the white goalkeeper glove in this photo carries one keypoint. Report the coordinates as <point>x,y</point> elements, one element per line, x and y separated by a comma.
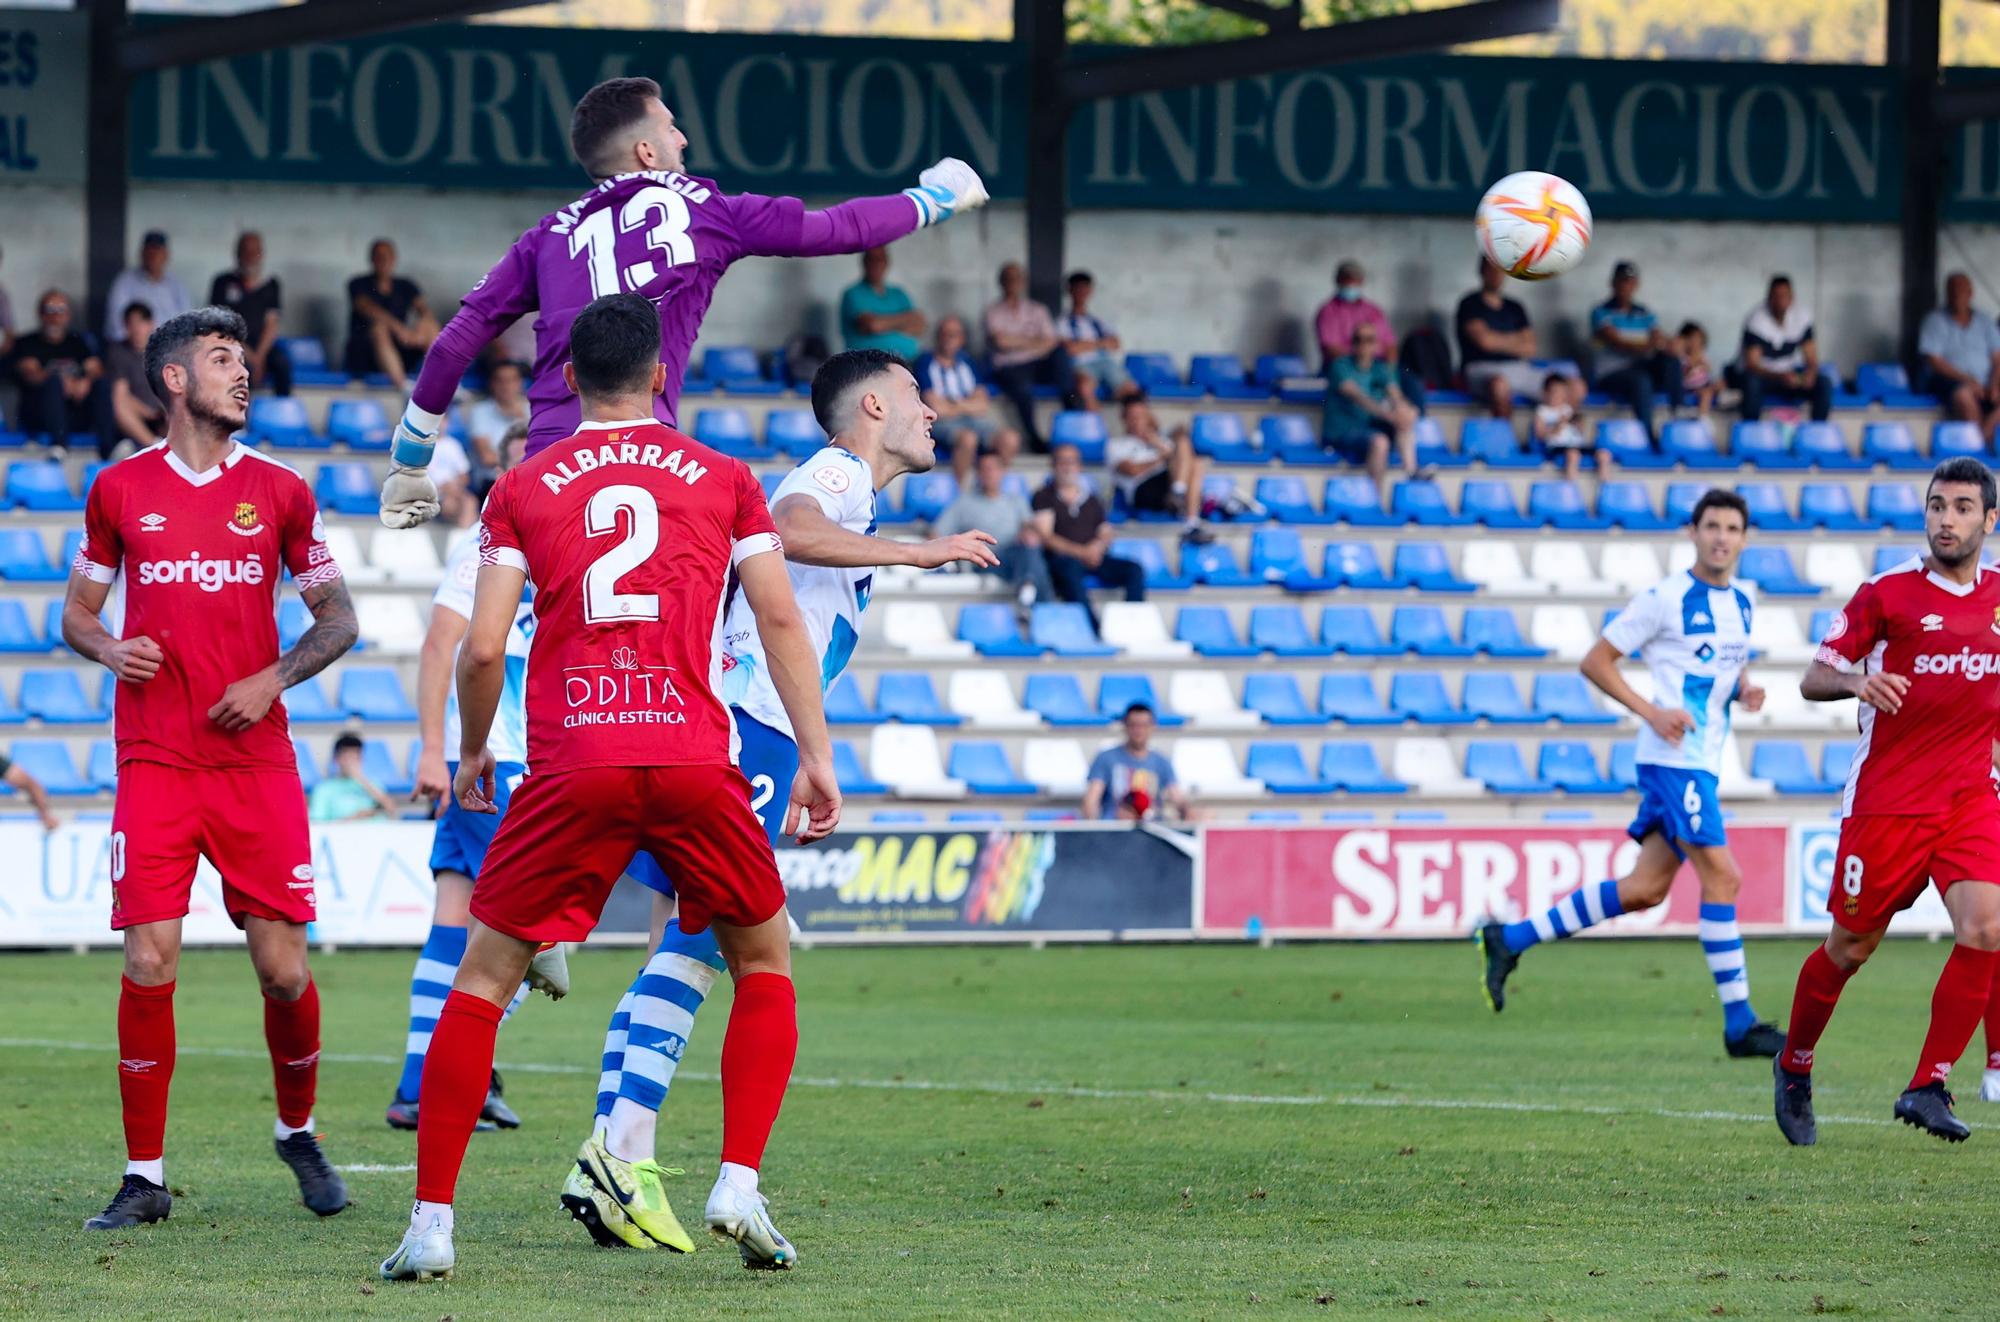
<point>409,497</point>
<point>945,189</point>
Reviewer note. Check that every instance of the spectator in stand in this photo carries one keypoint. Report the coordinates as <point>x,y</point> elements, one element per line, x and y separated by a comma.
<point>1021,339</point>
<point>8,327</point>
<point>875,314</point>
<point>1560,427</point>
<point>1779,359</point>
<point>952,388</point>
<point>1633,360</point>
<point>1157,474</point>
<point>141,418</point>
<point>1697,373</point>
<point>487,421</point>
<point>389,325</point>
<point>1347,309</point>
<point>347,795</point>
<point>38,794</point>
<point>1128,783</point>
<point>1495,343</point>
<point>63,390</point>
<point>1366,412</point>
<point>146,283</point>
<point>255,296</point>
<point>1075,532</point>
<point>990,507</point>
<point>1092,345</point>
<point>1960,349</point>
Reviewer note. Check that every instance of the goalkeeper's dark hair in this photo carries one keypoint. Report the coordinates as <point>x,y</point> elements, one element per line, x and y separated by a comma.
<point>1970,471</point>
<point>837,379</point>
<point>173,340</point>
<point>614,345</point>
<point>1715,498</point>
<point>606,112</point>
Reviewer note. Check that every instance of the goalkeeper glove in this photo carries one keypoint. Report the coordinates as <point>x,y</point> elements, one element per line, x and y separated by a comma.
<point>946,188</point>
<point>409,497</point>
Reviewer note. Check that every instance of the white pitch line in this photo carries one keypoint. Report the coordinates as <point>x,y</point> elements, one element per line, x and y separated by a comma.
<point>1383,1101</point>
<point>366,1168</point>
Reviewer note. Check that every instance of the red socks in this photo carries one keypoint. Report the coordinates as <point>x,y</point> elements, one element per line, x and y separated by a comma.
<point>457,1069</point>
<point>1963,990</point>
<point>757,1055</point>
<point>1993,1023</point>
<point>1818,991</point>
<point>145,1065</point>
<point>291,1031</point>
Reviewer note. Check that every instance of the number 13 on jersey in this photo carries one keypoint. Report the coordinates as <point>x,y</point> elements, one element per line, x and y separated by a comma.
<point>661,214</point>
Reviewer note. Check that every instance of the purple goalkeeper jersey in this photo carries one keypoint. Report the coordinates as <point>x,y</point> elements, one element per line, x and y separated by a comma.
<point>666,236</point>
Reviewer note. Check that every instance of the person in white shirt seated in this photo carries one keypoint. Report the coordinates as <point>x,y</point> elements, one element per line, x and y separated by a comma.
<point>1779,359</point>
<point>1157,473</point>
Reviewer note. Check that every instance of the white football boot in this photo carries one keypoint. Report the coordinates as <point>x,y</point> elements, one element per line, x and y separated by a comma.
<point>743,1217</point>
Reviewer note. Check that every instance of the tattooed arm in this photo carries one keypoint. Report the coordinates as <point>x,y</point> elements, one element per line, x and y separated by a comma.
<point>333,631</point>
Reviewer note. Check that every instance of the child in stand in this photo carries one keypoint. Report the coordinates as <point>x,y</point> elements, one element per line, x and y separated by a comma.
<point>1559,426</point>
<point>1697,376</point>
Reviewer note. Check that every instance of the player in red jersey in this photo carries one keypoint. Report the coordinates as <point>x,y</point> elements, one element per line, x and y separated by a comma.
<point>1920,647</point>
<point>629,531</point>
<point>201,529</point>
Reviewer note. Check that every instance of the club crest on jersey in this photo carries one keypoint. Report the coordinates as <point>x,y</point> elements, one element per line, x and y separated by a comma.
<point>1835,627</point>
<point>1996,619</point>
<point>245,523</point>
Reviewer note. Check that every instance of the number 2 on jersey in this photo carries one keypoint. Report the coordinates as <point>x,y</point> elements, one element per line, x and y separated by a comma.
<point>661,212</point>
<point>603,603</point>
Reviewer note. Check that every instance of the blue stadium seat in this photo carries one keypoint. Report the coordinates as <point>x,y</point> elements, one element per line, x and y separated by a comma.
<point>1351,765</point>
<point>1275,816</point>
<point>1769,510</point>
<point>793,433</point>
<point>373,693</point>
<point>1952,439</point>
<point>1625,765</point>
<point>846,706</point>
<point>1155,373</point>
<point>1356,502</point>
<point>1288,501</point>
<point>1566,697</point>
<point>309,765</point>
<point>1117,692</point>
<point>348,488</point>
<point>982,765</point>
<point>56,697</point>
<point>1426,567</point>
<point>1277,556</point>
<point>306,703</point>
<point>1059,698</point>
<point>17,631</point>
<point>735,368</point>
<point>1783,763</point>
<point>1491,503</point>
<point>1216,489</point>
<point>1559,503</point>
<point>728,430</point>
<point>380,767</point>
<point>1762,445</point>
<point>1569,765</point>
<point>1628,444</point>
<point>1420,696</point>
<point>24,558</point>
<point>1888,557</point>
<point>40,484</point>
<point>1283,769</point>
<point>971,817</point>
<point>1350,698</point>
<point>1836,758</point>
<point>309,367</point>
<point>1494,697</point>
<point>1277,699</point>
<point>772,481</point>
<point>72,543</point>
<point>360,424</point>
<point>1281,630</point>
<point>1273,368</point>
<point>1830,505</point>
<point>1682,497</point>
<point>52,615</point>
<point>847,769</point>
<point>1422,629</point>
<point>896,817</point>
<point>1877,381</point>
<point>293,620</point>
<point>1890,443</point>
<point>1222,375</point>
<point>48,761</point>
<point>910,698</point>
<point>1064,628</point>
<point>1822,445</point>
<point>1890,504</point>
<point>1822,619</point>
<point>1431,446</point>
<point>1291,437</point>
<point>925,495</point>
<point>1771,569</point>
<point>1355,565</point>
<point>1047,815</point>
<point>1083,430</point>
<point>101,765</point>
<point>1209,630</point>
<point>1492,442</point>
<point>1221,437</point>
<point>1424,503</point>
<point>1690,442</point>
<point>1494,631</point>
<point>1146,552</point>
<point>1498,763</point>
<point>1352,630</point>
<point>1629,505</point>
<point>1214,564</point>
<point>994,630</point>
<point>281,420</point>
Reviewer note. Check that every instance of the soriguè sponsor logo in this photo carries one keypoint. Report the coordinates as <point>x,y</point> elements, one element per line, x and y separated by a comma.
<point>207,574</point>
<point>1966,662</point>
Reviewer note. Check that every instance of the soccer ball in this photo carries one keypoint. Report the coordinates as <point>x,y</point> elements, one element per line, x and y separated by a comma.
<point>1533,226</point>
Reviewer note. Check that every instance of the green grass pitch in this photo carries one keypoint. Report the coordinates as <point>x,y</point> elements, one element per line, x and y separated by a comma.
<point>1109,1132</point>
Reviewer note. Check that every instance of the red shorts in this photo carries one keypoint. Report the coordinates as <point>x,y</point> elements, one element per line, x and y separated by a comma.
<point>1885,862</point>
<point>568,835</point>
<point>251,824</point>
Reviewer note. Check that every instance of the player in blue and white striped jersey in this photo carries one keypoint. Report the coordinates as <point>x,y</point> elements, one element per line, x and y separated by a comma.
<point>1693,631</point>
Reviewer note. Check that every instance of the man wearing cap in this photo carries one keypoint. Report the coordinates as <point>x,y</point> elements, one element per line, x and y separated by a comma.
<point>1632,360</point>
<point>146,283</point>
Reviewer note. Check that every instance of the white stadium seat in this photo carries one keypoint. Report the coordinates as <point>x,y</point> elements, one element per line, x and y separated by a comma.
<point>1836,566</point>
<point>1496,567</point>
<point>1207,768</point>
<point>1630,567</point>
<point>907,760</point>
<point>1205,698</point>
<point>1775,632</point>
<point>407,557</point>
<point>1565,567</point>
<point>1568,631</point>
<point>1135,627</point>
<point>1427,763</point>
<point>390,622</point>
<point>918,628</point>
<point>1680,556</point>
<point>345,543</point>
<point>986,699</point>
<point>1735,782</point>
<point>1057,765</point>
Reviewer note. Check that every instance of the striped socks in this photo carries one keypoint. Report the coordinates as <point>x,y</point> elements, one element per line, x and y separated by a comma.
<point>1722,946</point>
<point>1584,907</point>
<point>430,983</point>
<point>659,1012</point>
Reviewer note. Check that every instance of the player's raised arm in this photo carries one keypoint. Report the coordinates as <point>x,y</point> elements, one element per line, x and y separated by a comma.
<point>795,673</point>
<point>782,227</point>
<point>1837,672</point>
<point>811,538</point>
